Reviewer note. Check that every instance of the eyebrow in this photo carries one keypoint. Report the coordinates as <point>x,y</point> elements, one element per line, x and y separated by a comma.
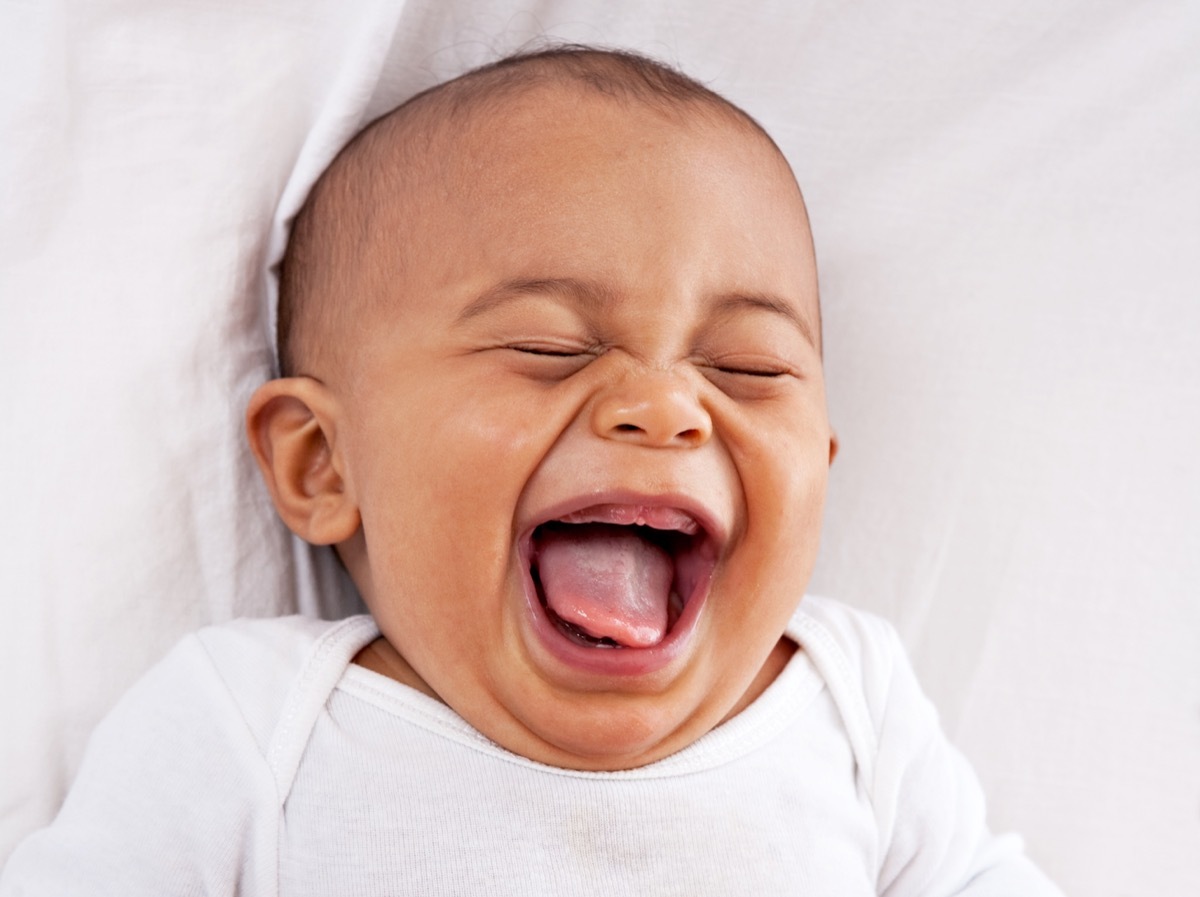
<point>734,302</point>
<point>591,294</point>
<point>588,293</point>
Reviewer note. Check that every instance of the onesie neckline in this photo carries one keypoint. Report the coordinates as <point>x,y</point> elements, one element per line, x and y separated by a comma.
<point>785,699</point>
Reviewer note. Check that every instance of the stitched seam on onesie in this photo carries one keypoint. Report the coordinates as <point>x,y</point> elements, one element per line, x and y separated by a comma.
<point>304,701</point>
<point>847,693</point>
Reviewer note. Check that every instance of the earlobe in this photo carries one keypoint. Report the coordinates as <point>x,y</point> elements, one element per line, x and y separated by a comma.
<point>292,427</point>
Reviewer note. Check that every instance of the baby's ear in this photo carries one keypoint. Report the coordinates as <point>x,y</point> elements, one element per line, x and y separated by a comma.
<point>833,445</point>
<point>292,427</point>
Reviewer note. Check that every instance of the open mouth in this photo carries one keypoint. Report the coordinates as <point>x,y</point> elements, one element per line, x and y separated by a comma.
<point>621,578</point>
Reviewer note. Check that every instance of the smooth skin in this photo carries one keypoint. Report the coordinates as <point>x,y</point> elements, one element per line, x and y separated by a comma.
<point>589,297</point>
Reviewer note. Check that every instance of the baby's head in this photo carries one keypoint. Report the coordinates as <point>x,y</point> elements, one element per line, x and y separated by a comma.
<point>553,388</point>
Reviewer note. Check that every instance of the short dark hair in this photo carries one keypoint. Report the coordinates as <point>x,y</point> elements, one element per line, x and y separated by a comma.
<point>335,218</point>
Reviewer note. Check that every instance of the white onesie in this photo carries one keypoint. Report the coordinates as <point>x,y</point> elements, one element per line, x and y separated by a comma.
<point>257,760</point>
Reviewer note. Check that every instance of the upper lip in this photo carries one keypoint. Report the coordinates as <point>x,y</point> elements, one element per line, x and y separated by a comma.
<point>706,520</point>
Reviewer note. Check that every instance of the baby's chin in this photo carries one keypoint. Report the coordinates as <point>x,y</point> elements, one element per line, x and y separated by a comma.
<point>616,731</point>
<point>631,723</point>
<point>574,719</point>
<point>612,731</point>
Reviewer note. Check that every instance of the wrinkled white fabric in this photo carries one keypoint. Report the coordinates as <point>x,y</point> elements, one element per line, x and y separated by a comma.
<point>257,760</point>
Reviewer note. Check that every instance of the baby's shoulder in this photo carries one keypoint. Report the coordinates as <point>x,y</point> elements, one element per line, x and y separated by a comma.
<point>863,663</point>
<point>246,674</point>
<point>249,648</point>
<point>265,666</point>
<point>854,642</point>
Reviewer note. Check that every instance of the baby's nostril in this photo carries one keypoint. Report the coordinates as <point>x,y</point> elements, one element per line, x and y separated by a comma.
<point>628,428</point>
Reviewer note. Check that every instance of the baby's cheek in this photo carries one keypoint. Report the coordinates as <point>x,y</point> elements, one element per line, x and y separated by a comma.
<point>782,463</point>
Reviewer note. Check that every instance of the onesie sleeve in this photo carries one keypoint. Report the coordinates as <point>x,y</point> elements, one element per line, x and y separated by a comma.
<point>929,804</point>
<point>165,799</point>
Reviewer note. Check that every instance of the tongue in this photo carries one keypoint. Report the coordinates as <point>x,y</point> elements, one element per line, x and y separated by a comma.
<point>607,581</point>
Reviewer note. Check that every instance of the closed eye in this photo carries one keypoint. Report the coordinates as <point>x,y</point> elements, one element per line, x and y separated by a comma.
<point>749,365</point>
<point>549,351</point>
<point>549,362</point>
<point>752,372</point>
<point>750,377</point>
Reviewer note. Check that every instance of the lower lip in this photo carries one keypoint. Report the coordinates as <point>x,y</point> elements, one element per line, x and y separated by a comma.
<point>610,662</point>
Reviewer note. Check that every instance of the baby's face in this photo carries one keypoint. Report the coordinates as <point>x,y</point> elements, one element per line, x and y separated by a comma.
<point>586,431</point>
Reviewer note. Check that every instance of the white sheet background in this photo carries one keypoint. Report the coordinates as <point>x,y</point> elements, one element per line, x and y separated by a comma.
<point>1007,209</point>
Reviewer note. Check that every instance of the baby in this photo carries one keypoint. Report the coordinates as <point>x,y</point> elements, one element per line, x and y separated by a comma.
<point>552,386</point>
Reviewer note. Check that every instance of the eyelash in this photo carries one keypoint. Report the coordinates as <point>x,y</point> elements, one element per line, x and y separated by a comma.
<point>748,372</point>
<point>549,351</point>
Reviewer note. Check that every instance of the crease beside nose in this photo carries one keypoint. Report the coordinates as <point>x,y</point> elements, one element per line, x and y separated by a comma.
<point>654,409</point>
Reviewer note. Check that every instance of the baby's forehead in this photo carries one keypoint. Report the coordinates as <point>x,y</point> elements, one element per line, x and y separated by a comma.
<point>583,261</point>
<point>509,156</point>
<point>412,166</point>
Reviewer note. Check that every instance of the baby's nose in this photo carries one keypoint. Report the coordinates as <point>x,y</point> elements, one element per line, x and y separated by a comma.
<point>653,408</point>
